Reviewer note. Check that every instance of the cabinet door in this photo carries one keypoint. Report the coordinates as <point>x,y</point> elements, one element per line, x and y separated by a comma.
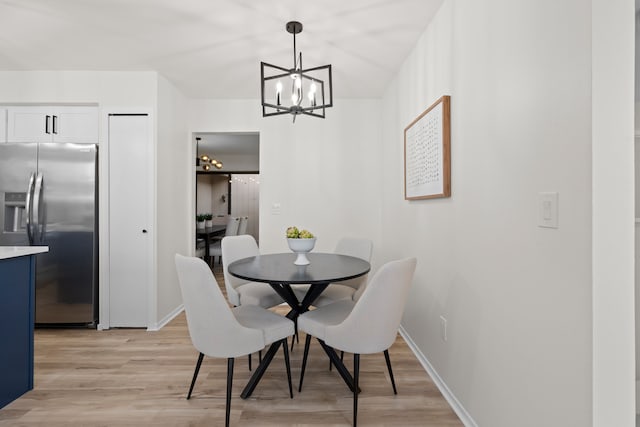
<point>53,124</point>
<point>29,124</point>
<point>16,327</point>
<point>75,124</point>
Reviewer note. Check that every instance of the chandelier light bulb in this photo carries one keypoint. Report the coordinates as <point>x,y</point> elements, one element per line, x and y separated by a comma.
<point>298,84</point>
<point>312,94</point>
<point>278,92</point>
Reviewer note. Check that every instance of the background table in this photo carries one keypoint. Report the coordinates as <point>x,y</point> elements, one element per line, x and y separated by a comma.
<point>279,271</point>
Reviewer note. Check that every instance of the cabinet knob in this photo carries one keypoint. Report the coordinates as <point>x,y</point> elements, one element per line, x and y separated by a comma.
<point>144,231</point>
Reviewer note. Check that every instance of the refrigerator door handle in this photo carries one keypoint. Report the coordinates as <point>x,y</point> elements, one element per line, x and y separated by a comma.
<point>28,205</point>
<point>37,207</point>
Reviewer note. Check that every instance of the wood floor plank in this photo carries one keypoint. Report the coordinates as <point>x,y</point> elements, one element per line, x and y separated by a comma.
<point>131,377</point>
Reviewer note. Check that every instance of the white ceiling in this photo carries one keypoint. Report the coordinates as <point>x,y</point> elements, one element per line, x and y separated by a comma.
<point>213,48</point>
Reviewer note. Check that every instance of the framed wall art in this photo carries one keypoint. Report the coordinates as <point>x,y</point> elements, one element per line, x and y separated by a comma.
<point>427,153</point>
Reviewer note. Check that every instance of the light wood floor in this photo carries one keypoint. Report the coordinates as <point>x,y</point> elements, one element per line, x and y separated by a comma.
<point>129,377</point>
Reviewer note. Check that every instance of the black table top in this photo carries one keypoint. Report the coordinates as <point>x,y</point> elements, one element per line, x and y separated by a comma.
<point>210,230</point>
<point>279,268</point>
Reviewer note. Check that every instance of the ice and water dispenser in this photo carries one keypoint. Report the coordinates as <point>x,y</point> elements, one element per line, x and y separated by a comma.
<point>15,214</point>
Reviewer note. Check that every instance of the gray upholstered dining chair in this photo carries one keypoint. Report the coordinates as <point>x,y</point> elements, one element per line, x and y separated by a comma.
<point>216,330</point>
<point>366,326</point>
<point>242,227</point>
<point>215,248</point>
<point>239,291</point>
<point>353,288</point>
<point>348,289</point>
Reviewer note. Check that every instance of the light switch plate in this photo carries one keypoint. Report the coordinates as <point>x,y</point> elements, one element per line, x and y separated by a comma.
<point>276,208</point>
<point>548,209</point>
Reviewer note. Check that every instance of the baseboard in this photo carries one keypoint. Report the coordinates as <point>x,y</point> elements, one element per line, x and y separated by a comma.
<point>442,386</point>
<point>168,318</point>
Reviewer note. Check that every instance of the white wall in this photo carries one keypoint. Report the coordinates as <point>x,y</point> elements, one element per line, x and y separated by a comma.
<point>613,212</point>
<point>175,231</point>
<point>210,187</point>
<point>105,87</point>
<point>245,200</point>
<point>517,297</point>
<point>324,174</point>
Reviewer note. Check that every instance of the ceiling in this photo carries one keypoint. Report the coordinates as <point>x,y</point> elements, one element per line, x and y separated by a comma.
<point>213,48</point>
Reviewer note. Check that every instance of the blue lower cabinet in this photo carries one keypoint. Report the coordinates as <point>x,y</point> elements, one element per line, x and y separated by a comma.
<point>16,327</point>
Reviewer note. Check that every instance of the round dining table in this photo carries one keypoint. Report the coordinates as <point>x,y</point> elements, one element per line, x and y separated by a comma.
<point>279,271</point>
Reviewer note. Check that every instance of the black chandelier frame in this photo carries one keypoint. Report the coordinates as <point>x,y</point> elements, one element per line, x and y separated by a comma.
<point>269,72</point>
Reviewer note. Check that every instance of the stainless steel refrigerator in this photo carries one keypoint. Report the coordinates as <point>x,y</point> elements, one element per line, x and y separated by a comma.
<point>48,196</point>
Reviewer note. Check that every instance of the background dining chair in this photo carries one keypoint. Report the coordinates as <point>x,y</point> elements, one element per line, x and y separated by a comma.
<point>215,248</point>
<point>200,248</point>
<point>239,291</point>
<point>356,247</point>
<point>216,330</point>
<point>367,326</point>
<point>242,228</point>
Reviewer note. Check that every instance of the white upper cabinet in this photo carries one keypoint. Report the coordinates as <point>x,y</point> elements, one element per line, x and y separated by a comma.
<point>52,124</point>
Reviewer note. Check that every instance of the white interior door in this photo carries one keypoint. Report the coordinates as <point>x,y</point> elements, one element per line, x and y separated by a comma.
<point>129,220</point>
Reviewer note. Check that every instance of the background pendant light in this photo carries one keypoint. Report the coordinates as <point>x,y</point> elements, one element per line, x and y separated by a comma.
<point>311,91</point>
<point>205,161</point>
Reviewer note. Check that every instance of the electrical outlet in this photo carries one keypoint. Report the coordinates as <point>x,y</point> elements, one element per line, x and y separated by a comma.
<point>443,328</point>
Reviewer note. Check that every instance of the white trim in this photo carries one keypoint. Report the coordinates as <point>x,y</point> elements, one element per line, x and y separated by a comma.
<point>168,318</point>
<point>457,407</point>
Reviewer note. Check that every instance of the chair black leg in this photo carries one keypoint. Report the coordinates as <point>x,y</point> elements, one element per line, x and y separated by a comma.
<point>285,348</point>
<point>341,358</point>
<point>195,374</point>
<point>356,374</point>
<point>393,383</point>
<point>307,343</point>
<point>229,384</point>
<point>259,358</point>
<point>295,326</point>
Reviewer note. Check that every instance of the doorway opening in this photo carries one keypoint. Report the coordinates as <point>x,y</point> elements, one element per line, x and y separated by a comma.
<point>228,177</point>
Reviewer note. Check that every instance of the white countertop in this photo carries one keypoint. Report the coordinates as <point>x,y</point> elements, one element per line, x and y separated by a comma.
<point>7,252</point>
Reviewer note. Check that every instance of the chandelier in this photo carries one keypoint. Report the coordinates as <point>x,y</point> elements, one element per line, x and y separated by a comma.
<point>315,83</point>
<point>205,161</point>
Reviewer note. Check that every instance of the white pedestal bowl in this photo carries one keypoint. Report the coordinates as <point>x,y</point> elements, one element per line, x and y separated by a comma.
<point>301,247</point>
